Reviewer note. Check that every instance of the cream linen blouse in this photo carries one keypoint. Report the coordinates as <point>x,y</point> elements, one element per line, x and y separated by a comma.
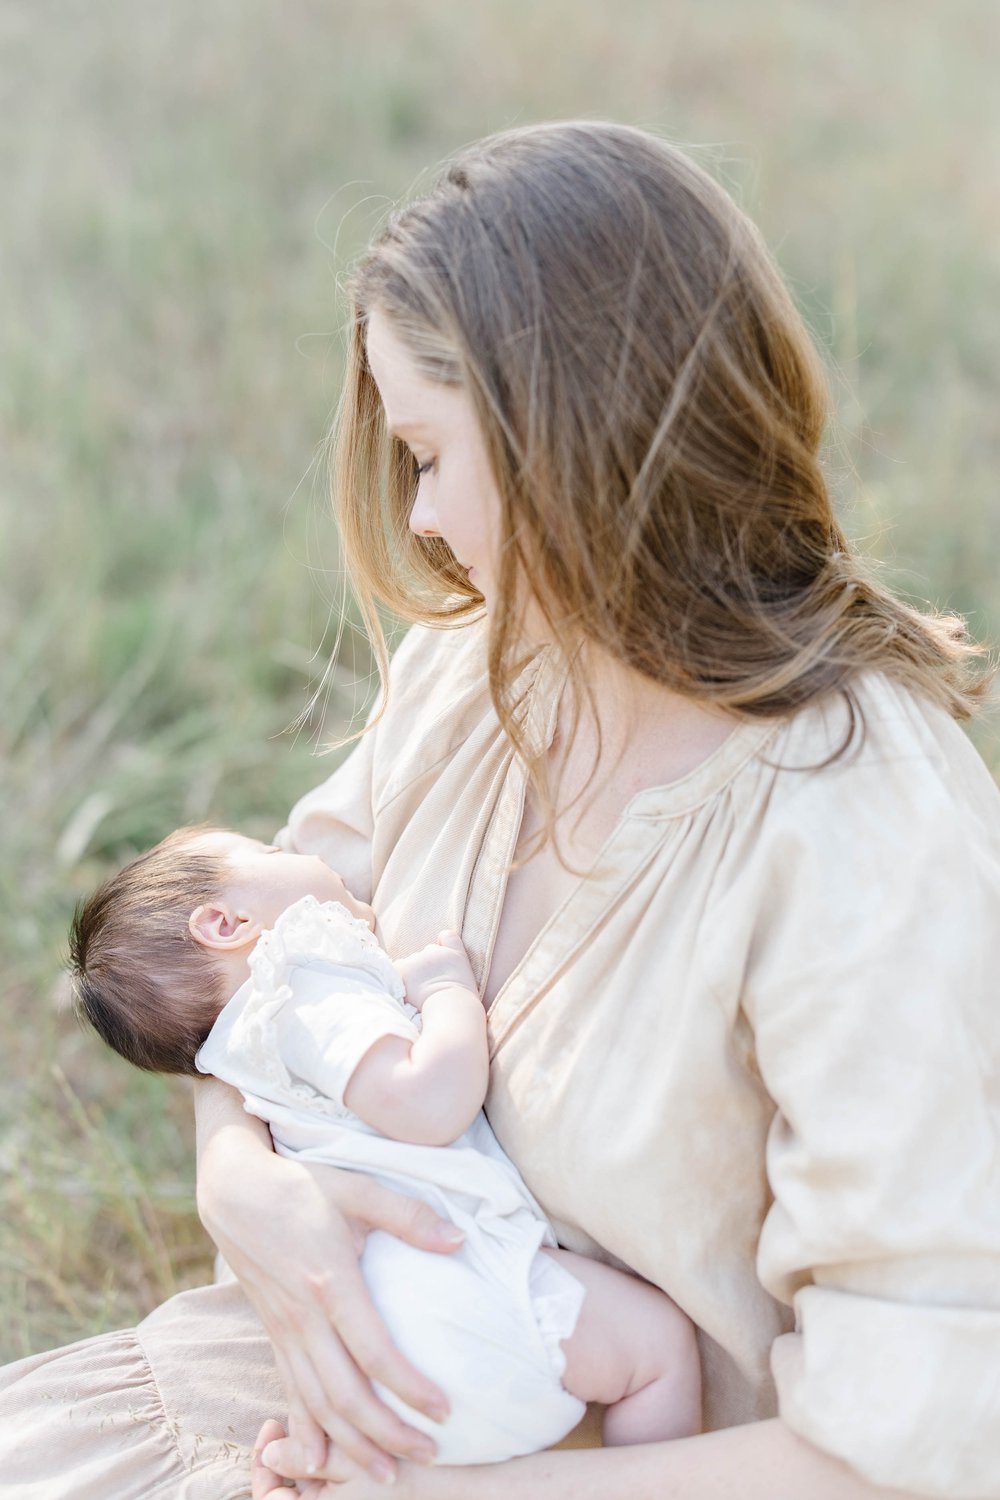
<point>755,1056</point>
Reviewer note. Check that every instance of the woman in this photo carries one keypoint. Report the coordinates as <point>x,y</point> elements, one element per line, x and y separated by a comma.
<point>688,782</point>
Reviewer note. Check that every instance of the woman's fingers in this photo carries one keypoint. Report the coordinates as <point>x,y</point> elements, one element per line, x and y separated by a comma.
<point>328,1337</point>
<point>334,1394</point>
<point>279,1457</point>
<point>303,1429</point>
<point>328,1395</point>
<point>308,1436</point>
<point>353,1314</point>
<point>407,1218</point>
<point>352,1414</point>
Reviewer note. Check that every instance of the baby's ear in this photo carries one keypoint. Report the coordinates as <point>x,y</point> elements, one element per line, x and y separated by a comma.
<point>219,926</point>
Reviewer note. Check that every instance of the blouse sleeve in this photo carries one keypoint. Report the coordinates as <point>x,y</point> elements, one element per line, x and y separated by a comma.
<point>872,990</point>
<point>336,819</point>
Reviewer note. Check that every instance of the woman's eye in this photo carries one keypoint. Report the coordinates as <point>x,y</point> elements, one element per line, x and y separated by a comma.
<point>426,468</point>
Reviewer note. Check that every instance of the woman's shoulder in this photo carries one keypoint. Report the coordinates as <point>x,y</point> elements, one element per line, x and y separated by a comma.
<point>879,733</point>
<point>438,671</point>
<point>883,860</point>
<point>437,699</point>
<point>437,695</point>
<point>427,651</point>
<point>874,780</point>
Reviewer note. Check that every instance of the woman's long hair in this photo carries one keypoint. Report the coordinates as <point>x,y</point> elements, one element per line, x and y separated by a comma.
<point>653,409</point>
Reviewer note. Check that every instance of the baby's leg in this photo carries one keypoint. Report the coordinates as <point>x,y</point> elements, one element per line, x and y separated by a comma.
<point>635,1352</point>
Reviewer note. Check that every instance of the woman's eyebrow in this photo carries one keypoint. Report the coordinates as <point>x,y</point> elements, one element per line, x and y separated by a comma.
<point>399,428</point>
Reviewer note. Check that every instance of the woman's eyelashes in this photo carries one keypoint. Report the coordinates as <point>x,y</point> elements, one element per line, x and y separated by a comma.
<point>425,468</point>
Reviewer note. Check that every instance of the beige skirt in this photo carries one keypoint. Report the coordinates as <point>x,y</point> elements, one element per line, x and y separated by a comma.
<point>168,1409</point>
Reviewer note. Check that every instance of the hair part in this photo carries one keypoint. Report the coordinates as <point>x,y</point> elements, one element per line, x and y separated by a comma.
<point>653,409</point>
<point>139,978</point>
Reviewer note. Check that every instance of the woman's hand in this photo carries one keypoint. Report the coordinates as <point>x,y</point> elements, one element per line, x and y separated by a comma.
<point>294,1247</point>
<point>292,1234</point>
<point>341,1479</point>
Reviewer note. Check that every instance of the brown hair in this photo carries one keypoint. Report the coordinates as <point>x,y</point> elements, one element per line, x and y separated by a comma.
<point>653,409</point>
<point>139,977</point>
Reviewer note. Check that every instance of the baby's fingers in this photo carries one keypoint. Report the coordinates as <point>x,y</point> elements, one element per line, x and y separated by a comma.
<point>264,1477</point>
<point>451,939</point>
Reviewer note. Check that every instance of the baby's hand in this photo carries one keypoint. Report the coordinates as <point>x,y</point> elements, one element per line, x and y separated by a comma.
<point>439,966</point>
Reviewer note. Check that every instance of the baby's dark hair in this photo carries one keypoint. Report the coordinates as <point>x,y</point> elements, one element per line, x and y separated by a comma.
<point>139,978</point>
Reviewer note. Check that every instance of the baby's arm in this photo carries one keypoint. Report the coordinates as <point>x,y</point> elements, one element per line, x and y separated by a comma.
<point>429,1090</point>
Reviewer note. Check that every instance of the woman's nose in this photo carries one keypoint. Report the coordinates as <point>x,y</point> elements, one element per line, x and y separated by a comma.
<point>422,518</point>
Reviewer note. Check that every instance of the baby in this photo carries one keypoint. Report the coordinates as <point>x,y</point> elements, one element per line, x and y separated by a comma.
<point>215,953</point>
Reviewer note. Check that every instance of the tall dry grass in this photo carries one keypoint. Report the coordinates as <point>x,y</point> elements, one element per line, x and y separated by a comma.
<point>182,184</point>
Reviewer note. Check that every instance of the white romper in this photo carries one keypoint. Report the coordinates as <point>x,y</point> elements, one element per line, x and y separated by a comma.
<point>485,1323</point>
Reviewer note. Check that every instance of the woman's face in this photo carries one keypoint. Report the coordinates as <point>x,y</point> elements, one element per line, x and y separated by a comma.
<point>456,496</point>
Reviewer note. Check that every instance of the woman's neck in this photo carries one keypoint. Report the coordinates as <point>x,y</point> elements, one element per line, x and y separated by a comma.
<point>630,731</point>
<point>635,734</point>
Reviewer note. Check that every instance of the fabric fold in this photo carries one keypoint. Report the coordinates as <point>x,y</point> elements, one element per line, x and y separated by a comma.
<point>923,1376</point>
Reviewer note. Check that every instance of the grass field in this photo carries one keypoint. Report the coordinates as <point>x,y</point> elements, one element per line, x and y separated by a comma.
<point>183,185</point>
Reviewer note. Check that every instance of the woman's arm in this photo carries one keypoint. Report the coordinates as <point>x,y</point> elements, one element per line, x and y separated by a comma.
<point>762,1461</point>
<point>224,1131</point>
<point>292,1235</point>
<point>309,1223</point>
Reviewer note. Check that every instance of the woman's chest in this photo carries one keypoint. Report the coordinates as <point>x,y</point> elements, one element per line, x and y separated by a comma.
<point>535,890</point>
<point>533,895</point>
<point>567,873</point>
<point>622,1086</point>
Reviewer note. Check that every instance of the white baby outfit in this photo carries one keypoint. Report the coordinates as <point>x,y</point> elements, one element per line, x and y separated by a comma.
<point>484,1323</point>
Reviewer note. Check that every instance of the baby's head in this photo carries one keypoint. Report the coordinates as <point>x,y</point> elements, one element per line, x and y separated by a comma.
<point>157,951</point>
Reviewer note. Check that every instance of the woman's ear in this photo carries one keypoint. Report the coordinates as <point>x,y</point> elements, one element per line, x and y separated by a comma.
<point>215,925</point>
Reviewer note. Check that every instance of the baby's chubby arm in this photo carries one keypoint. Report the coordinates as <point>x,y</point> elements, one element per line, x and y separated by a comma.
<point>429,1090</point>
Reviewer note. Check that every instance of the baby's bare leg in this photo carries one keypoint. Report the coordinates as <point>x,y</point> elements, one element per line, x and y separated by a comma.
<point>634,1351</point>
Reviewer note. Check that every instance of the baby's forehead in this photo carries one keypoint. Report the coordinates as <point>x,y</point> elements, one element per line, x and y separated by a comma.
<point>237,848</point>
<point>227,845</point>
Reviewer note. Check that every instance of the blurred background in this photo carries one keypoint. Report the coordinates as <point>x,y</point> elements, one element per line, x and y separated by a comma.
<point>182,186</point>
